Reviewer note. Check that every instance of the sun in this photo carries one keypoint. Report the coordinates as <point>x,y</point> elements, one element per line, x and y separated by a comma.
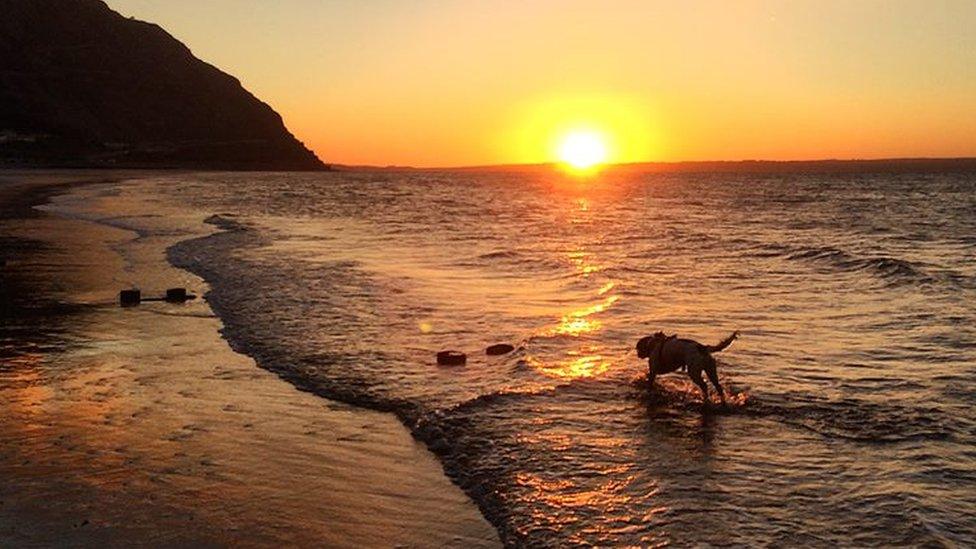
<point>582,150</point>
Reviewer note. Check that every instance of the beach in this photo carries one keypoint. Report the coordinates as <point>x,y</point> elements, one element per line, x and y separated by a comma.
<point>141,426</point>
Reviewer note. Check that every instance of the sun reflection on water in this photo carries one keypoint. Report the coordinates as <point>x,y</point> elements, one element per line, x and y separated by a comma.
<point>583,364</point>
<point>579,259</point>
<point>586,359</point>
<point>577,322</point>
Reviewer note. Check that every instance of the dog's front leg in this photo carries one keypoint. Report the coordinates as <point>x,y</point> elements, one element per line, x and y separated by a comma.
<point>650,372</point>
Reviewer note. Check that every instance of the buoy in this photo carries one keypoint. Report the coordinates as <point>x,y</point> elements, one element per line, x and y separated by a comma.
<point>129,297</point>
<point>451,358</point>
<point>499,349</point>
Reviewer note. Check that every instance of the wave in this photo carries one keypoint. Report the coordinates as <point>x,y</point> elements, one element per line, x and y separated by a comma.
<point>861,421</point>
<point>895,272</point>
<point>499,254</point>
<point>847,418</point>
<point>516,261</point>
<point>488,444</point>
<point>892,270</point>
<point>225,221</point>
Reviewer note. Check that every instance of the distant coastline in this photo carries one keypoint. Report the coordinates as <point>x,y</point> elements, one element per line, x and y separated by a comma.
<point>827,166</point>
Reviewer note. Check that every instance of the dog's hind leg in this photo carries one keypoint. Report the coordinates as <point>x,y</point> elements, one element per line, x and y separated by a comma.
<point>713,377</point>
<point>695,374</point>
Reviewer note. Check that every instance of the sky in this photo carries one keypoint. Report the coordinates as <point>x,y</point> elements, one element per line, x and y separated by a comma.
<point>461,83</point>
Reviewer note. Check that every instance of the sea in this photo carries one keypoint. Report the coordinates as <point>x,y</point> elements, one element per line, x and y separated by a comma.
<point>850,418</point>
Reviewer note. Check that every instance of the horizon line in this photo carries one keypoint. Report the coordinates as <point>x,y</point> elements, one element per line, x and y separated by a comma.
<point>660,163</point>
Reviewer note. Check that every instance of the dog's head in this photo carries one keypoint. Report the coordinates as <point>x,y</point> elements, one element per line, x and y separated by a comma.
<point>646,344</point>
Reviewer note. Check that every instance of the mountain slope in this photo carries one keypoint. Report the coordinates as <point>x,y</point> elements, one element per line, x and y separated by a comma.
<point>81,85</point>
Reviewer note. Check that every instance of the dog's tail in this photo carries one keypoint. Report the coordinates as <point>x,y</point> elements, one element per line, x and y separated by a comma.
<point>723,344</point>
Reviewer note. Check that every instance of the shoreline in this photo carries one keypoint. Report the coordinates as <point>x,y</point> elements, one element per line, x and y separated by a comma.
<point>143,426</point>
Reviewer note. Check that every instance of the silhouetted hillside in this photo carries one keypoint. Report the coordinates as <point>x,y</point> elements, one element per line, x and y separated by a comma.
<point>80,85</point>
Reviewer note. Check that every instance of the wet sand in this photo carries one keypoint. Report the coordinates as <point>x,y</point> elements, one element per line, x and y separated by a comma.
<point>141,426</point>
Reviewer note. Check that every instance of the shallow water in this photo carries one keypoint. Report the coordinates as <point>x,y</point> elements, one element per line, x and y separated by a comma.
<point>852,387</point>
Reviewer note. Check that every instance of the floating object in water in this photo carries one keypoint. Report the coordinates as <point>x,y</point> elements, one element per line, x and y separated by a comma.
<point>127,298</point>
<point>451,358</point>
<point>178,295</point>
<point>499,349</point>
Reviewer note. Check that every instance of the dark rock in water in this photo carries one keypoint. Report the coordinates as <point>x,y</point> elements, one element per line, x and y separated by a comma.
<point>82,86</point>
<point>178,295</point>
<point>451,358</point>
<point>499,349</point>
<point>129,297</point>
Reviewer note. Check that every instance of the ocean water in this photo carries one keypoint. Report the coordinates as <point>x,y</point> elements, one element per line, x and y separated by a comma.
<point>852,388</point>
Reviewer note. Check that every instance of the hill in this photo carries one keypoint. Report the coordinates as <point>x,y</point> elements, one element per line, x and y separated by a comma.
<point>83,86</point>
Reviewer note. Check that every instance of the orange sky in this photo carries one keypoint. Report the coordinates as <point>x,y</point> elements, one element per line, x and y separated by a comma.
<point>451,83</point>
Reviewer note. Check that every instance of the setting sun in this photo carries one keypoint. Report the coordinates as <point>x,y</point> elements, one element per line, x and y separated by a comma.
<point>582,150</point>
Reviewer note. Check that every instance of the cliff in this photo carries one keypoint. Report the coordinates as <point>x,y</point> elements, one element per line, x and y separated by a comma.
<point>82,86</point>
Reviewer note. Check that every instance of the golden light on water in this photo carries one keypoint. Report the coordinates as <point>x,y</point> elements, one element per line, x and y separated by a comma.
<point>580,364</point>
<point>585,362</point>
<point>578,322</point>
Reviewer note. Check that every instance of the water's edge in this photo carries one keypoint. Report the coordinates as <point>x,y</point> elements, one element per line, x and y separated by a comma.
<point>180,255</point>
<point>422,499</point>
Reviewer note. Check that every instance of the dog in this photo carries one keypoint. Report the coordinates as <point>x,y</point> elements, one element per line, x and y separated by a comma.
<point>668,353</point>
